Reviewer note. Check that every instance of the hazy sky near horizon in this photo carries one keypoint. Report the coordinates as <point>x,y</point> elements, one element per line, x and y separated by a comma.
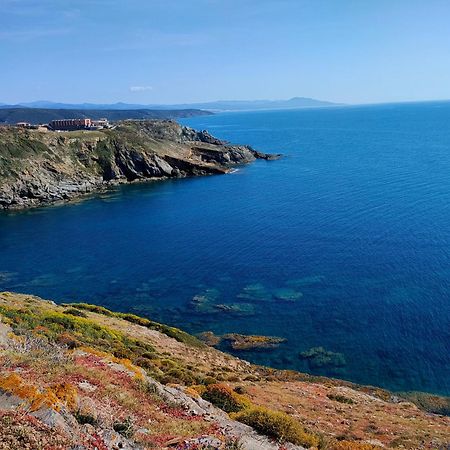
<point>174,51</point>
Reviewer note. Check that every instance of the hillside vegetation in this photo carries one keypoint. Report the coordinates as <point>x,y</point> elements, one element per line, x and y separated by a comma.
<point>79,376</point>
<point>12,115</point>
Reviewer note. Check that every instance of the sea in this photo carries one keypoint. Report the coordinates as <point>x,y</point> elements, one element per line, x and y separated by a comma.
<point>341,247</point>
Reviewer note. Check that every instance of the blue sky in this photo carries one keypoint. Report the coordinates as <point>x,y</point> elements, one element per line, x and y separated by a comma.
<point>173,51</point>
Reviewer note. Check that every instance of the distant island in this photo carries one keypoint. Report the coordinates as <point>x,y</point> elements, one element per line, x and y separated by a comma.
<point>219,105</point>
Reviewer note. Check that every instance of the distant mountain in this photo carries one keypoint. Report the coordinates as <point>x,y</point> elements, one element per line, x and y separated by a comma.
<point>11,115</point>
<point>220,105</point>
<point>53,105</point>
<point>252,105</point>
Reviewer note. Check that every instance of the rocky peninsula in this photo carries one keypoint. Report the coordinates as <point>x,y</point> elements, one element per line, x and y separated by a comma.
<point>42,167</point>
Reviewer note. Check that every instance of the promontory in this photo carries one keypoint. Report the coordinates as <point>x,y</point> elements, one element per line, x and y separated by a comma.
<point>39,167</point>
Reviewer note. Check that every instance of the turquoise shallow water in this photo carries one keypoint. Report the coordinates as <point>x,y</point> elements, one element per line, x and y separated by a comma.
<point>342,244</point>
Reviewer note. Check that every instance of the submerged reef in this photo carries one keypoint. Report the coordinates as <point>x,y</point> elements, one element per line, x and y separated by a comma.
<point>207,303</point>
<point>318,357</point>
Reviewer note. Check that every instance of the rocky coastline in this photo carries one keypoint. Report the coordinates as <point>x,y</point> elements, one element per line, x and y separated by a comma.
<point>40,168</point>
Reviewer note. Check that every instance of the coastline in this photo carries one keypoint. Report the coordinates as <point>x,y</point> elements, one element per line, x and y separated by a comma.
<point>42,168</point>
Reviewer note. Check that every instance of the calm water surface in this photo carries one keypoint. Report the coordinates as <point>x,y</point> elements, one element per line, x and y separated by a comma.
<point>343,244</point>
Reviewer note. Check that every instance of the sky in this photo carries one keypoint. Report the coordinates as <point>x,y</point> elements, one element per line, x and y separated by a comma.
<point>176,51</point>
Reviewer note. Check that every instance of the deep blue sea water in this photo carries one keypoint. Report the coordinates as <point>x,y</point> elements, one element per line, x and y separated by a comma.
<point>342,244</point>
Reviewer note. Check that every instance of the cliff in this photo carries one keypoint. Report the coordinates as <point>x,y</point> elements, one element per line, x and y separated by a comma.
<point>38,167</point>
<point>80,376</point>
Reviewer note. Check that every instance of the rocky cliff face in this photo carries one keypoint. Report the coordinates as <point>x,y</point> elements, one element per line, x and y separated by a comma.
<point>38,168</point>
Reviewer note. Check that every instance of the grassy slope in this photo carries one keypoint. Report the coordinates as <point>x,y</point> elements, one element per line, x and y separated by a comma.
<point>18,146</point>
<point>340,414</point>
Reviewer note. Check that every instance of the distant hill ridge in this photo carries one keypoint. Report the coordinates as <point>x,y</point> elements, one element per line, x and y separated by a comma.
<point>219,105</point>
<point>11,115</point>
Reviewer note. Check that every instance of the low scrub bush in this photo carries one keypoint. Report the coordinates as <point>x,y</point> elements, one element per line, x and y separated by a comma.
<point>125,428</point>
<point>209,380</point>
<point>147,387</point>
<point>84,418</point>
<point>199,390</point>
<point>341,399</point>
<point>225,398</point>
<point>93,308</point>
<point>277,425</point>
<point>67,340</point>
<point>353,445</point>
<point>75,312</point>
<point>173,332</point>
<point>177,375</point>
<point>232,444</point>
<point>49,330</point>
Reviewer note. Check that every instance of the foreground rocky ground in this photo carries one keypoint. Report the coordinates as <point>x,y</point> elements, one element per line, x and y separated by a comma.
<point>37,167</point>
<point>82,377</point>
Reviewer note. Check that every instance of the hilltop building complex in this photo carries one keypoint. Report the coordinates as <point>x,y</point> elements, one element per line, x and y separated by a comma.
<point>78,124</point>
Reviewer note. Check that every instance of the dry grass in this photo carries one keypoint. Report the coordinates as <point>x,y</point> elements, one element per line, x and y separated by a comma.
<point>366,419</point>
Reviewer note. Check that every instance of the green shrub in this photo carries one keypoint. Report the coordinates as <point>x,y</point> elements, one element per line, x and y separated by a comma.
<point>276,425</point>
<point>67,340</point>
<point>209,380</point>
<point>225,398</point>
<point>134,319</point>
<point>340,398</point>
<point>173,332</point>
<point>145,363</point>
<point>84,419</point>
<point>73,331</point>
<point>125,428</point>
<point>177,375</point>
<point>75,312</point>
<point>93,308</point>
<point>232,444</point>
<point>240,390</point>
<point>147,387</point>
